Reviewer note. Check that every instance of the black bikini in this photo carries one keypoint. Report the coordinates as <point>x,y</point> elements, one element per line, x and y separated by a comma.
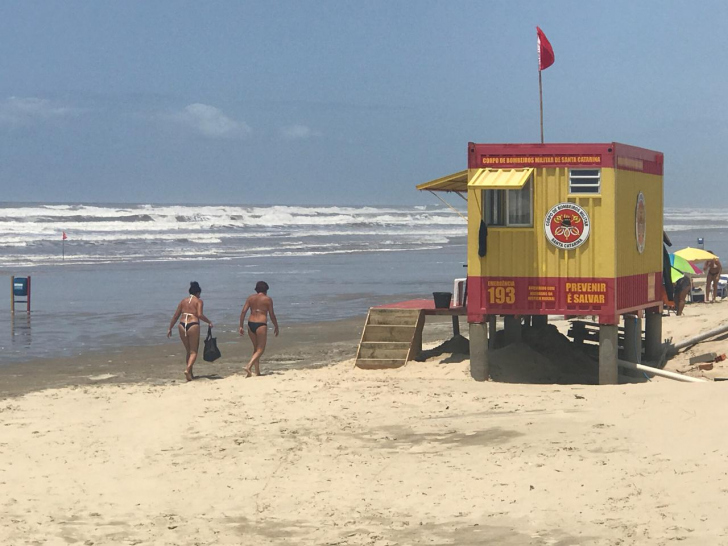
<point>255,325</point>
<point>186,324</point>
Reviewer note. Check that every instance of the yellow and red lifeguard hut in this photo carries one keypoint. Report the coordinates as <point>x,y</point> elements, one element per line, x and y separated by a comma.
<point>563,229</point>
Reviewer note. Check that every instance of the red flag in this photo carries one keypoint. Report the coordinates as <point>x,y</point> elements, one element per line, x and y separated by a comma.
<point>545,51</point>
<point>64,236</point>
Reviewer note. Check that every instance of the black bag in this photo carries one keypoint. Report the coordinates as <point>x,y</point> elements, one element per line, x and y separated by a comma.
<point>211,352</point>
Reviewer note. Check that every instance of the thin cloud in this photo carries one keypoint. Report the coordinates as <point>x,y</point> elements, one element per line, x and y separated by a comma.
<point>297,132</point>
<point>28,110</point>
<point>210,121</point>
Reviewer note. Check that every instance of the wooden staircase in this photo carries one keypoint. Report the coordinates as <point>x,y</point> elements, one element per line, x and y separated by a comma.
<point>390,338</point>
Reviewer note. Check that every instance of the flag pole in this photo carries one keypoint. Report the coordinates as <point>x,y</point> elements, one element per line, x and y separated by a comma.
<point>540,101</point>
<point>64,249</point>
<point>545,59</point>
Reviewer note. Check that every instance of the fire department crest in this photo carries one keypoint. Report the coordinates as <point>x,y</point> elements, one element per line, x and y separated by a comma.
<point>567,226</point>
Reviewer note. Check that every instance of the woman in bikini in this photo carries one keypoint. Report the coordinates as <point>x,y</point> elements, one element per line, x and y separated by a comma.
<point>190,309</point>
<point>713,268</point>
<point>260,306</point>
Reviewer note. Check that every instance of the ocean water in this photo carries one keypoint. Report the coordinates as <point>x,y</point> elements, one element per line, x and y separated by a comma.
<point>122,269</point>
<point>685,225</point>
<point>127,266</point>
<point>32,234</point>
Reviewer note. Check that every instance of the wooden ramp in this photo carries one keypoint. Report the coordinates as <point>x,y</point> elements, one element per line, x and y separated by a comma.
<point>390,338</point>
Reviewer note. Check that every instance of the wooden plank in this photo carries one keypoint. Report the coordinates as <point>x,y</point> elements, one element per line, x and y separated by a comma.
<point>416,343</point>
<point>373,350</point>
<point>387,344</point>
<point>383,349</point>
<point>596,324</point>
<point>366,322</point>
<point>452,311</point>
<point>375,332</point>
<point>393,316</point>
<point>707,357</point>
<point>379,363</point>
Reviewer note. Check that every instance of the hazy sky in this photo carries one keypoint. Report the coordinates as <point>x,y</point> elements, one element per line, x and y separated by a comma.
<point>343,102</point>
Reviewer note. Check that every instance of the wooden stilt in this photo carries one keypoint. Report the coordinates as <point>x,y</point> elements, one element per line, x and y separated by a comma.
<point>632,338</point>
<point>653,336</point>
<point>479,351</point>
<point>579,332</point>
<point>608,371</point>
<point>538,321</point>
<point>492,330</point>
<point>512,329</point>
<point>455,325</point>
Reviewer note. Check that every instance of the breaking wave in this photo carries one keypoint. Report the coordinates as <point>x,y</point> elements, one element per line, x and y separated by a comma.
<point>108,233</point>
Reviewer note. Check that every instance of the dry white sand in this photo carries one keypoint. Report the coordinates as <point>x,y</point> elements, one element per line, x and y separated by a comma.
<point>419,455</point>
<point>698,318</point>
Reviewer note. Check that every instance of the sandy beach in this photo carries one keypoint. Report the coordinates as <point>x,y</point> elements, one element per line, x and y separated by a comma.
<point>347,174</point>
<point>337,455</point>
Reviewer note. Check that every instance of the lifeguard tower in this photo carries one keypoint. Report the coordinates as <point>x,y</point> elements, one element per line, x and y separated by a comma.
<point>563,229</point>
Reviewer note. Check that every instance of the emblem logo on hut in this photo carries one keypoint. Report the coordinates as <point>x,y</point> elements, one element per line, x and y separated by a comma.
<point>640,222</point>
<point>567,226</point>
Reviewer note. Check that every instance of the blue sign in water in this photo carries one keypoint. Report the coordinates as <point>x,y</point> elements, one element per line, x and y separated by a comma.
<point>20,286</point>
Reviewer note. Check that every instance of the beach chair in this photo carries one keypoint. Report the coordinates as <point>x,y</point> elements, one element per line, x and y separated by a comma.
<point>722,291</point>
<point>697,295</point>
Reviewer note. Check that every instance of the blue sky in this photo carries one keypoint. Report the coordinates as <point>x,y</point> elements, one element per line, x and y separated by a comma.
<point>343,102</point>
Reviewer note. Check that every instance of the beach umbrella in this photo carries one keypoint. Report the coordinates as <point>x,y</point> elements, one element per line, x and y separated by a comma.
<point>682,265</point>
<point>675,275</point>
<point>695,254</point>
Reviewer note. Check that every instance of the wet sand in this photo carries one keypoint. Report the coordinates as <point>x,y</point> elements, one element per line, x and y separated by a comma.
<point>298,346</point>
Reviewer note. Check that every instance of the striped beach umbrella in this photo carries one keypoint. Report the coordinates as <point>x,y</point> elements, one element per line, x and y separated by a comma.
<point>682,265</point>
<point>676,275</point>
